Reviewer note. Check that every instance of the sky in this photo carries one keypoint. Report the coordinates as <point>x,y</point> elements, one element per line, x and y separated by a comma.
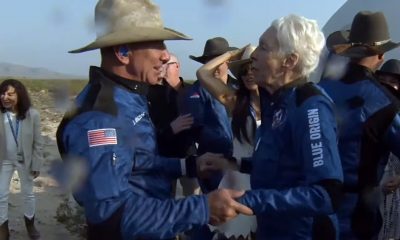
<point>40,33</point>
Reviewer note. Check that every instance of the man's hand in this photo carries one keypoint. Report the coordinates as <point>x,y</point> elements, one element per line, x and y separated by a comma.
<point>223,207</point>
<point>391,185</point>
<point>214,162</point>
<point>181,123</point>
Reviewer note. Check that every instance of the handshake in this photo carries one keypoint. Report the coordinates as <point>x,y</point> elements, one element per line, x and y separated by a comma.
<point>222,203</point>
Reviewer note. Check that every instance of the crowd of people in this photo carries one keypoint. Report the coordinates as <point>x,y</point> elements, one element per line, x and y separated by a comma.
<point>262,154</point>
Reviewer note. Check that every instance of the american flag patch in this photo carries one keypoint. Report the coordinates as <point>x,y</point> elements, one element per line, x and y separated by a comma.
<point>100,137</point>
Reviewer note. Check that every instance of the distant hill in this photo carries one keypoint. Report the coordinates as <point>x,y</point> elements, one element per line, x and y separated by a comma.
<point>9,70</point>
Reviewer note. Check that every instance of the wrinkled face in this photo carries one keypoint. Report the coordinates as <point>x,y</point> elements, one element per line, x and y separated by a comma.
<point>247,77</point>
<point>172,67</point>
<point>9,99</point>
<point>266,62</point>
<point>221,72</point>
<point>146,61</point>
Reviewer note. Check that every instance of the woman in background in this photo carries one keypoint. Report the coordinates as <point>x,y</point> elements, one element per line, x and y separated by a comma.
<point>243,105</point>
<point>20,149</point>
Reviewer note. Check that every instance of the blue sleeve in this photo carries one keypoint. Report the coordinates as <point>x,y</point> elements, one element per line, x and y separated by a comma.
<point>318,151</point>
<point>149,218</point>
<point>392,137</point>
<point>146,161</point>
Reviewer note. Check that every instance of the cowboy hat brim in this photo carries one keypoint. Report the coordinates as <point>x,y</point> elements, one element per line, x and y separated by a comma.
<point>235,67</point>
<point>379,72</point>
<point>338,43</point>
<point>203,59</point>
<point>133,35</point>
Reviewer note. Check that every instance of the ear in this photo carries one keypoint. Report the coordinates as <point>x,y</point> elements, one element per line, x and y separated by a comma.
<point>122,54</point>
<point>290,61</point>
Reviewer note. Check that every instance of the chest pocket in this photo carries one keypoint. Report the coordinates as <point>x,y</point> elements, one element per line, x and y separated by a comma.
<point>266,164</point>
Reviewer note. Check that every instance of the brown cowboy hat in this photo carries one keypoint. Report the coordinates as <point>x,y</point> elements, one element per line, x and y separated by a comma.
<point>213,48</point>
<point>390,67</point>
<point>128,21</point>
<point>368,36</point>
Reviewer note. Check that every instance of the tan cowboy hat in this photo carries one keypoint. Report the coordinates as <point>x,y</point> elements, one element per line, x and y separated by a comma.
<point>213,48</point>
<point>235,66</point>
<point>368,36</point>
<point>128,21</point>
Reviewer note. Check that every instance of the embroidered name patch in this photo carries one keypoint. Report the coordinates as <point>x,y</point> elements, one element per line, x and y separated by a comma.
<point>101,137</point>
<point>315,137</point>
<point>138,118</point>
<point>195,95</point>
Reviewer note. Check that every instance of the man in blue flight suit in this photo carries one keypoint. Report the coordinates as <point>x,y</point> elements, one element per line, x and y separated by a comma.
<point>211,129</point>
<point>295,170</point>
<point>369,121</point>
<point>110,132</point>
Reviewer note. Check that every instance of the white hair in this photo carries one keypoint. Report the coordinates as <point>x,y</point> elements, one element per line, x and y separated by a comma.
<point>297,34</point>
<point>173,58</point>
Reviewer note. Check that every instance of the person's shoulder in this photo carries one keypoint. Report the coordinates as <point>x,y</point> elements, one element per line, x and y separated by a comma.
<point>309,91</point>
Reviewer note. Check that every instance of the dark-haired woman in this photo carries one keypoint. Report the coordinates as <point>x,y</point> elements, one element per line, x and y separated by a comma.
<point>20,149</point>
<point>244,106</point>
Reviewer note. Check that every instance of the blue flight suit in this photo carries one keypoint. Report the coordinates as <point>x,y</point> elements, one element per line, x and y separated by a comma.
<point>369,128</point>
<point>125,193</point>
<point>212,132</point>
<point>295,170</point>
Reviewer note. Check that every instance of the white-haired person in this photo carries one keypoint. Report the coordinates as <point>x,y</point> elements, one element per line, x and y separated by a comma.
<point>296,174</point>
<point>171,126</point>
<point>110,132</point>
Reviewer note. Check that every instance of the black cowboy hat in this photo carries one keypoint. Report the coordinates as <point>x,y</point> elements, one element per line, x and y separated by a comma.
<point>213,48</point>
<point>390,67</point>
<point>368,36</point>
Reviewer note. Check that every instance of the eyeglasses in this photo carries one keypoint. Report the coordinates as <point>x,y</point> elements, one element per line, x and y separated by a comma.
<point>172,63</point>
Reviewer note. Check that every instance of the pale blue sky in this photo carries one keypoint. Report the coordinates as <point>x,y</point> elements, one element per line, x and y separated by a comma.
<point>39,33</point>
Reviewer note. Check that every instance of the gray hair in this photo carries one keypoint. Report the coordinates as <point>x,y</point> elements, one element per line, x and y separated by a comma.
<point>297,34</point>
<point>173,58</point>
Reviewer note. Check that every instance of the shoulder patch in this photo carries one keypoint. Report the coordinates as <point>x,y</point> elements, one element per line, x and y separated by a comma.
<point>306,91</point>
